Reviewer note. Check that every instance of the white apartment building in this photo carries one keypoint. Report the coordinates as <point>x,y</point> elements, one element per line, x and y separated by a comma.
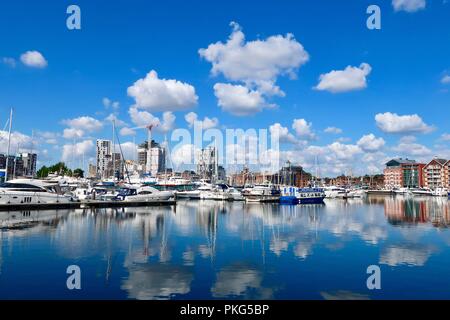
<point>104,157</point>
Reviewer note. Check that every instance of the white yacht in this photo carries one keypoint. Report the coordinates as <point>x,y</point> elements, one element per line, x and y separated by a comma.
<point>440,192</point>
<point>31,191</point>
<point>143,194</point>
<point>421,192</point>
<point>206,191</point>
<point>188,194</point>
<point>235,195</point>
<point>334,192</point>
<point>262,193</point>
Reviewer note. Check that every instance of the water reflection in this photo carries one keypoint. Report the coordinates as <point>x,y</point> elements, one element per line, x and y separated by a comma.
<point>207,249</point>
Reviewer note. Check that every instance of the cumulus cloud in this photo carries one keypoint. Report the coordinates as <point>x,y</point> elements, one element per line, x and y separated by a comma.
<point>113,117</point>
<point>18,140</point>
<point>76,151</point>
<point>409,5</point>
<point>282,133</point>
<point>408,146</point>
<point>333,130</point>
<point>254,64</point>
<point>47,137</point>
<point>125,131</point>
<point>84,123</point>
<point>154,94</point>
<point>143,119</point>
<point>393,123</point>
<point>239,100</point>
<point>303,129</point>
<point>370,143</point>
<point>72,133</point>
<point>206,123</point>
<point>107,103</point>
<point>33,59</point>
<point>349,79</point>
<point>445,137</point>
<point>183,154</point>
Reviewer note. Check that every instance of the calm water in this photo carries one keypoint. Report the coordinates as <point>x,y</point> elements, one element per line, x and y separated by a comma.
<point>212,250</point>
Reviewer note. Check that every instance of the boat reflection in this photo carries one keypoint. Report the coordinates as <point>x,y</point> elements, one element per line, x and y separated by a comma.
<point>210,249</point>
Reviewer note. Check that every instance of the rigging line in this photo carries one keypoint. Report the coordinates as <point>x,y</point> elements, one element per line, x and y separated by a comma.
<point>123,158</point>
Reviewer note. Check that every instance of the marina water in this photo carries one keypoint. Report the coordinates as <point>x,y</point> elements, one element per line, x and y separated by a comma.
<point>221,250</point>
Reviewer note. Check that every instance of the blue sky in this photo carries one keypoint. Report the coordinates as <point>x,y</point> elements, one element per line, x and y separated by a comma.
<point>121,42</point>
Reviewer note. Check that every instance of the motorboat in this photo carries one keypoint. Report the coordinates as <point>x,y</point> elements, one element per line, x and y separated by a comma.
<point>262,193</point>
<point>143,194</point>
<point>334,192</point>
<point>295,195</point>
<point>421,192</point>
<point>235,195</point>
<point>440,192</point>
<point>32,191</point>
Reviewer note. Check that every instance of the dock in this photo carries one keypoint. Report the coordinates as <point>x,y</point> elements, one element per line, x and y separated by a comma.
<point>83,204</point>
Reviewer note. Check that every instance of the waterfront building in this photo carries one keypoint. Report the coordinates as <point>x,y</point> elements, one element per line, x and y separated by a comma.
<point>403,173</point>
<point>29,164</point>
<point>16,166</point>
<point>447,173</point>
<point>92,171</point>
<point>104,157</point>
<point>436,174</point>
<point>206,162</point>
<point>156,158</point>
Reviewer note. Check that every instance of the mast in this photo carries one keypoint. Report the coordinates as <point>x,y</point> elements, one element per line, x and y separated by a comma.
<point>9,144</point>
<point>114,148</point>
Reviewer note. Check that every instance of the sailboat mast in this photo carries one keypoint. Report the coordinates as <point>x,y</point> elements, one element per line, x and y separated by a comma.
<point>114,148</point>
<point>9,144</point>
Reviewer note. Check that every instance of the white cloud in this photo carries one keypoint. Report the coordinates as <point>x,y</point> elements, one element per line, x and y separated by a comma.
<point>109,103</point>
<point>409,5</point>
<point>370,143</point>
<point>125,131</point>
<point>333,130</point>
<point>168,122</point>
<point>113,117</point>
<point>239,100</point>
<point>47,137</point>
<point>72,133</point>
<point>256,63</point>
<point>445,137</point>
<point>33,59</point>
<point>11,62</point>
<point>183,154</point>
<point>303,129</point>
<point>411,148</point>
<point>84,123</point>
<point>154,94</point>
<point>393,123</point>
<point>206,123</point>
<point>129,150</point>
<point>18,141</point>
<point>76,151</point>
<point>143,119</point>
<point>349,79</point>
<point>282,132</point>
<point>445,79</point>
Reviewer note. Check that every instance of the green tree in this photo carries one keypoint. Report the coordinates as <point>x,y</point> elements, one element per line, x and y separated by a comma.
<point>79,173</point>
